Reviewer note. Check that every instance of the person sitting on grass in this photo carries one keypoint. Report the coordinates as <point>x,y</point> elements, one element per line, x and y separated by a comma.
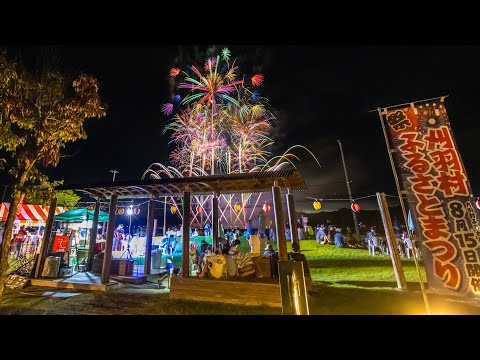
<point>268,250</point>
<point>296,255</point>
<point>338,238</point>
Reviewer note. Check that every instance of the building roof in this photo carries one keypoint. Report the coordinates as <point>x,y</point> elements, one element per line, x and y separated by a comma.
<point>197,185</point>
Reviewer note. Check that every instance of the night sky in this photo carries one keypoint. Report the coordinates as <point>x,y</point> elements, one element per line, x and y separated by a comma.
<point>320,93</point>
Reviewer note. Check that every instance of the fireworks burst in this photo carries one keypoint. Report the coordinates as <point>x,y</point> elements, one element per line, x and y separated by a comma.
<point>174,72</point>
<point>257,80</point>
<point>167,109</point>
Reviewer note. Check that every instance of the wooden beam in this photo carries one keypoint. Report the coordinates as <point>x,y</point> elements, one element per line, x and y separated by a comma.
<point>45,248</point>
<point>215,231</point>
<point>279,223</point>
<point>186,235</point>
<point>93,235</point>
<point>291,217</point>
<point>148,243</point>
<point>107,260</point>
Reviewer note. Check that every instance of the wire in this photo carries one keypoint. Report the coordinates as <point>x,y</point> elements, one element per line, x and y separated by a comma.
<point>347,199</point>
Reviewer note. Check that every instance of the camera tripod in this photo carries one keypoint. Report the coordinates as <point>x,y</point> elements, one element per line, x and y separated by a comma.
<point>127,251</point>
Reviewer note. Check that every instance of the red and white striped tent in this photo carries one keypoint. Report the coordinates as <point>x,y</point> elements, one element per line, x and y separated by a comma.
<point>29,214</point>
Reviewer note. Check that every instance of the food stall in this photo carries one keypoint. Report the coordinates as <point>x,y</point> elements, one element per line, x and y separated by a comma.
<point>33,217</point>
<point>73,235</point>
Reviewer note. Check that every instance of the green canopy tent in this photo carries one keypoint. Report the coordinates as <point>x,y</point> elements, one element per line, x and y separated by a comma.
<point>80,215</point>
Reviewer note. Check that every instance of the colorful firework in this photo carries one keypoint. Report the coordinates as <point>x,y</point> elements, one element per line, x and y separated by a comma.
<point>167,109</point>
<point>174,72</point>
<point>257,80</point>
<point>219,125</point>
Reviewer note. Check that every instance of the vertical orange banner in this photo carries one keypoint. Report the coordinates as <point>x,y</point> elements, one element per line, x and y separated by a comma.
<point>439,195</point>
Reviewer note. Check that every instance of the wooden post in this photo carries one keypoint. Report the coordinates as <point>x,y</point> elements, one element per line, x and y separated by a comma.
<point>291,217</point>
<point>45,248</point>
<point>392,242</point>
<point>93,235</point>
<point>279,222</point>
<point>148,243</point>
<point>215,221</point>
<point>107,260</point>
<point>186,235</point>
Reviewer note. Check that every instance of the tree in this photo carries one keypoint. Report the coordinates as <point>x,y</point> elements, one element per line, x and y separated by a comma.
<point>39,114</point>
<point>42,193</point>
<point>67,198</point>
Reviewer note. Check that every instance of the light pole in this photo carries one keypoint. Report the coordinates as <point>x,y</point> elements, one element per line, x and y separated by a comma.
<point>114,171</point>
<point>354,214</point>
<point>130,213</point>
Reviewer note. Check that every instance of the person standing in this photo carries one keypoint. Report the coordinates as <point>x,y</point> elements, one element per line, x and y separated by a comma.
<point>249,227</point>
<point>19,238</point>
<point>262,220</point>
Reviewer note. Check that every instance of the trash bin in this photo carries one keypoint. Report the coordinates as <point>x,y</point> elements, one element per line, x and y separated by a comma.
<point>157,259</point>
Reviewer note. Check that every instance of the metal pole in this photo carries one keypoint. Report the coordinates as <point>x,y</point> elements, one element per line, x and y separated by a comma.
<point>392,241</point>
<point>354,214</point>
<point>291,218</point>
<point>405,216</point>
<point>164,216</point>
<point>4,192</point>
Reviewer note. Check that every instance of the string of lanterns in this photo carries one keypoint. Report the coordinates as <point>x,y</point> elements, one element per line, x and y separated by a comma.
<point>317,205</point>
<point>130,211</point>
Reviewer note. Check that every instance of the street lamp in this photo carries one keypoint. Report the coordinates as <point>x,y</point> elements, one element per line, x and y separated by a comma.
<point>114,171</point>
<point>130,213</point>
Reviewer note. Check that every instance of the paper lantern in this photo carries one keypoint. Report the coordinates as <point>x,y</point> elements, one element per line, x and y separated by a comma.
<point>173,209</point>
<point>136,211</point>
<point>90,208</point>
<point>317,205</point>
<point>477,203</point>
<point>355,207</point>
<point>237,207</point>
<point>121,211</point>
<point>266,207</point>
<point>199,208</point>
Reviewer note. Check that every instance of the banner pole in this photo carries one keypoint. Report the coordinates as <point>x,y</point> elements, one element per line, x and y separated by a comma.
<point>405,216</point>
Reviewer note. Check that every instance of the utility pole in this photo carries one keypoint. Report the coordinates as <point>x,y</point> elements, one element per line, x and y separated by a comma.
<point>354,214</point>
<point>4,192</point>
<point>114,171</point>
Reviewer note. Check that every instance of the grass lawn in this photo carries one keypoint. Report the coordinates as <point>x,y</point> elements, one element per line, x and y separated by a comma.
<point>346,281</point>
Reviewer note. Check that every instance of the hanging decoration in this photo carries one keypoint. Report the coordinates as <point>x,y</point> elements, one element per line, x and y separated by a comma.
<point>477,203</point>
<point>121,211</point>
<point>317,205</point>
<point>199,209</point>
<point>266,207</point>
<point>355,207</point>
<point>237,207</point>
<point>136,211</point>
<point>173,209</point>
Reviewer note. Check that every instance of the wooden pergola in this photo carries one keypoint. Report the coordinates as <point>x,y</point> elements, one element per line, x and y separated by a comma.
<point>277,182</point>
